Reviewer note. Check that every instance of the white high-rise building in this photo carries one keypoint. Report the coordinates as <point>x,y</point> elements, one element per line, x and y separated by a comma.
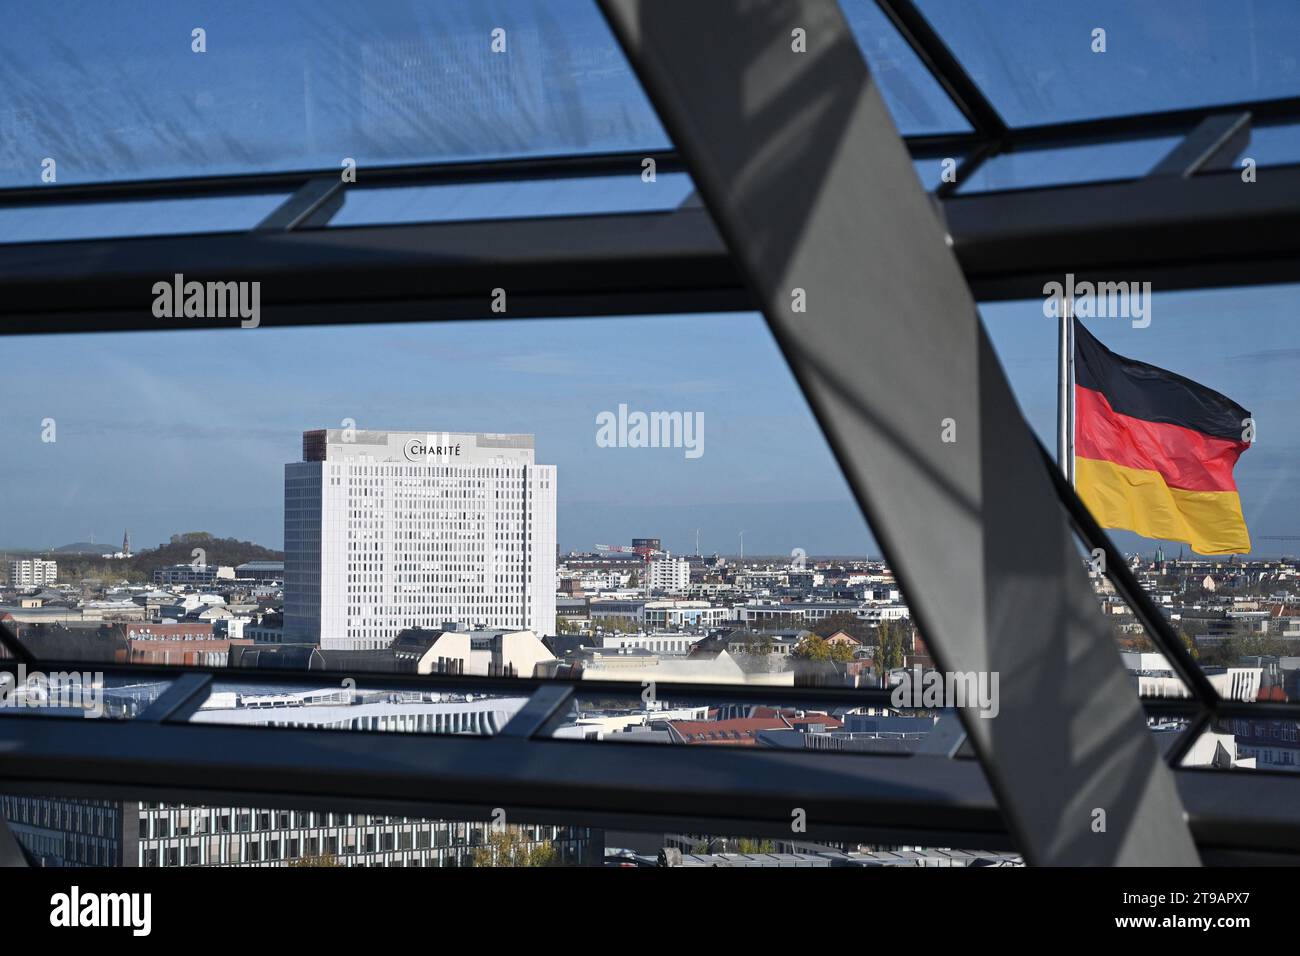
<point>32,573</point>
<point>385,531</point>
<point>669,575</point>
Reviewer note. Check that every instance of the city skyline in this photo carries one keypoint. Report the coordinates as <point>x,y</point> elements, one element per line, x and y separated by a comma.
<point>767,469</point>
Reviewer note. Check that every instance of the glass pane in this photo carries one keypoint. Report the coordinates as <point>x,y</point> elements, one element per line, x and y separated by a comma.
<point>582,196</point>
<point>155,217</point>
<point>1239,612</point>
<point>1036,62</point>
<point>1127,159</point>
<point>1274,145</point>
<point>839,726</point>
<point>57,691</point>
<point>352,707</point>
<point>915,99</point>
<point>508,547</point>
<point>118,92</point>
<point>1247,743</point>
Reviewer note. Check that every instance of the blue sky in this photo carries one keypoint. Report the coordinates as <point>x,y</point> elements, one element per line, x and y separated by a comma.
<point>184,431</point>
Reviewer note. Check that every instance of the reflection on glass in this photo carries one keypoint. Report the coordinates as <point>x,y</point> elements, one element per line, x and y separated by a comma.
<point>1247,743</point>
<point>633,849</point>
<point>122,92</point>
<point>348,707</point>
<point>62,691</point>
<point>845,727</point>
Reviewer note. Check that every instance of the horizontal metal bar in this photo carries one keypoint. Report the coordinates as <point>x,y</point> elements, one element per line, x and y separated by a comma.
<point>1242,809</point>
<point>1209,230</point>
<point>624,785</point>
<point>532,167</point>
<point>670,261</point>
<point>928,801</point>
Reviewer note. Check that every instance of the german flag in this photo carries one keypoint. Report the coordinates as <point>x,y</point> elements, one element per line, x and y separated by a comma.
<point>1154,451</point>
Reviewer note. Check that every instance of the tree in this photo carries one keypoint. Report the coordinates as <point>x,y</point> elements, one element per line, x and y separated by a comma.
<point>507,847</point>
<point>812,648</point>
<point>746,845</point>
<point>841,653</point>
<point>889,649</point>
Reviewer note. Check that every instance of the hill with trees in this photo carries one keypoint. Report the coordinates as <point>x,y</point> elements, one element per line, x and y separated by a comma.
<point>139,568</point>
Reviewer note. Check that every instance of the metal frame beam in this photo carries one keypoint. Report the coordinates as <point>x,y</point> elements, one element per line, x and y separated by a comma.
<point>619,785</point>
<point>798,160</point>
<point>1214,144</point>
<point>1207,230</point>
<point>938,58</point>
<point>884,799</point>
<point>1187,233</point>
<point>409,174</point>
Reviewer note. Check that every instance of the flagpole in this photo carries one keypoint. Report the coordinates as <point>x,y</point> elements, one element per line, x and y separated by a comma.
<point>1064,392</point>
<point>1069,390</point>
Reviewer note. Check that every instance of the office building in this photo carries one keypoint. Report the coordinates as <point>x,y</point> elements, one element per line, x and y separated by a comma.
<point>386,531</point>
<point>32,573</point>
